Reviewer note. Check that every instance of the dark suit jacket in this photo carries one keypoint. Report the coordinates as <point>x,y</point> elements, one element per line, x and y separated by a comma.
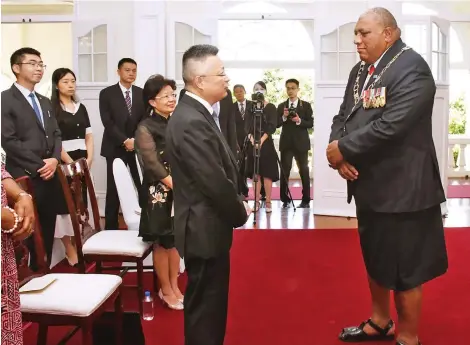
<point>241,125</point>
<point>226,120</point>
<point>118,124</point>
<point>205,178</point>
<point>293,136</point>
<point>392,147</point>
<point>25,141</point>
<point>228,123</point>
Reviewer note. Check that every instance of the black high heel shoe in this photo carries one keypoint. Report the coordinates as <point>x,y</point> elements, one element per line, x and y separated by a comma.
<point>357,334</point>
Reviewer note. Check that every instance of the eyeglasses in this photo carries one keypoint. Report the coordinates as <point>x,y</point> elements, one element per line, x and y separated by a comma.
<point>214,75</point>
<point>34,64</point>
<point>173,95</point>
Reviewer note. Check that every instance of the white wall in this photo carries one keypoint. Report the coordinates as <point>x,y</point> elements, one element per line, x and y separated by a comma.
<point>55,53</point>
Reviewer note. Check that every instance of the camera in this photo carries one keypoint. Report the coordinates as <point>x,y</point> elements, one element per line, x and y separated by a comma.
<point>257,97</point>
<point>292,113</point>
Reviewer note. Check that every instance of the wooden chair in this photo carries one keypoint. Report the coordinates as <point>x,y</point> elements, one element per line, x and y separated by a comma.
<point>72,299</point>
<point>94,245</point>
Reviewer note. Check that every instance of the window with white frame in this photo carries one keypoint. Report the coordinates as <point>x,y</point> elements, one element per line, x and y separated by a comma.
<point>93,55</point>
<point>439,53</point>
<point>338,53</point>
<point>186,36</point>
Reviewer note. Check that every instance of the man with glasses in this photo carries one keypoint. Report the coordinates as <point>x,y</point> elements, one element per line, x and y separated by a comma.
<point>208,205</point>
<point>31,140</point>
<point>296,117</point>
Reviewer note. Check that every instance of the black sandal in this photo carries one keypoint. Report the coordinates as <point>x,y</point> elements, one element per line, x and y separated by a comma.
<point>357,334</point>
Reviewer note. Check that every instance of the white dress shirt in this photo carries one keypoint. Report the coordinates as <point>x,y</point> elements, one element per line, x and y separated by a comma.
<point>26,94</point>
<point>292,105</point>
<point>124,90</point>
<point>375,66</point>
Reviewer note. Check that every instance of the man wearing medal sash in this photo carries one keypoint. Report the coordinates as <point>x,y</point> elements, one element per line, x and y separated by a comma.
<point>383,147</point>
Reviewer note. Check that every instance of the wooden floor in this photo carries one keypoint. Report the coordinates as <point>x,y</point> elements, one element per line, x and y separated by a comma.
<point>303,218</point>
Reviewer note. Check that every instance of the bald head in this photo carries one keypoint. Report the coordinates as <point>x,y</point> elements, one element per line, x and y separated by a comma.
<point>375,32</point>
<point>383,16</point>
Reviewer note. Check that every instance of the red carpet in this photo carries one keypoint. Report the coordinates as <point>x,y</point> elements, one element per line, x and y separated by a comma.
<point>301,287</point>
<point>453,191</point>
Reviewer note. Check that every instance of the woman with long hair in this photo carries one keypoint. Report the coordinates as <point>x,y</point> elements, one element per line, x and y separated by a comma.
<point>268,165</point>
<point>156,195</point>
<point>77,142</point>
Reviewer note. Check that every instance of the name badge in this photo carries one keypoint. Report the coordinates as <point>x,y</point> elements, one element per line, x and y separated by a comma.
<point>374,98</point>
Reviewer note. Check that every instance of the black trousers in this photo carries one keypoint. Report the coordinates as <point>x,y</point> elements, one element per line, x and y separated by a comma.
<point>112,198</point>
<point>301,158</point>
<point>206,300</point>
<point>45,197</point>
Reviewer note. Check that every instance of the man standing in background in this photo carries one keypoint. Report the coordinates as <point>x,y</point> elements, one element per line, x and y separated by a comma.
<point>121,110</point>
<point>32,141</point>
<point>296,117</point>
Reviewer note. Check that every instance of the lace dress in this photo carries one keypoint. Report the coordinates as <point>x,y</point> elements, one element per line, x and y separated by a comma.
<point>12,329</point>
<point>155,199</point>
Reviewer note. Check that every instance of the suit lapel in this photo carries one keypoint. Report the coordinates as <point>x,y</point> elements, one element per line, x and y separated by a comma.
<point>202,109</point>
<point>26,105</point>
<point>121,100</point>
<point>134,101</point>
<point>388,56</point>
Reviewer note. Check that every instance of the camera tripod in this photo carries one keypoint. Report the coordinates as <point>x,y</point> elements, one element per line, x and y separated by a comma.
<point>255,131</point>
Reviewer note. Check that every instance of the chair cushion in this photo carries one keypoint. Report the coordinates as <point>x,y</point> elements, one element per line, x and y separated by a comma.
<point>116,242</point>
<point>71,294</point>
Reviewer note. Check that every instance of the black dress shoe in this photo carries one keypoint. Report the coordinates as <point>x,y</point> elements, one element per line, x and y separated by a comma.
<point>357,334</point>
<point>285,204</point>
<point>400,343</point>
<point>304,204</point>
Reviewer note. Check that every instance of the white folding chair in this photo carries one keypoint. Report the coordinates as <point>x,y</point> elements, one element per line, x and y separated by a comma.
<point>127,194</point>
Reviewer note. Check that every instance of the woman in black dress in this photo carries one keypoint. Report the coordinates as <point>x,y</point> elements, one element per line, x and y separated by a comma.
<point>77,142</point>
<point>156,195</point>
<point>268,166</point>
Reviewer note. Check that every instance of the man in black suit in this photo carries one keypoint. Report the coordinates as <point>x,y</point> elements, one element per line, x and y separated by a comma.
<point>31,140</point>
<point>381,143</point>
<point>207,203</point>
<point>227,121</point>
<point>121,109</point>
<point>242,107</point>
<point>296,117</point>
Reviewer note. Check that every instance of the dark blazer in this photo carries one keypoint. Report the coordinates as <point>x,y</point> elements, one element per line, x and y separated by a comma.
<point>205,179</point>
<point>241,125</point>
<point>25,141</point>
<point>392,147</point>
<point>118,124</point>
<point>228,123</point>
<point>295,136</point>
<point>226,120</point>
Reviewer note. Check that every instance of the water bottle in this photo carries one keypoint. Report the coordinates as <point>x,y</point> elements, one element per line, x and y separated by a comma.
<point>147,307</point>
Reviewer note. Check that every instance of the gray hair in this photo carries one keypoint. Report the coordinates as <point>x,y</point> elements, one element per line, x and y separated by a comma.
<point>384,16</point>
<point>197,53</point>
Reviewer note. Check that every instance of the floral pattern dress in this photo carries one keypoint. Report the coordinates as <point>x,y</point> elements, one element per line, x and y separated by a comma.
<point>12,327</point>
<point>155,198</point>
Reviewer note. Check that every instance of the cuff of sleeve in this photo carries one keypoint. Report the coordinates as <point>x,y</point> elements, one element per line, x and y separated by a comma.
<point>88,130</point>
<point>342,148</point>
<point>298,123</point>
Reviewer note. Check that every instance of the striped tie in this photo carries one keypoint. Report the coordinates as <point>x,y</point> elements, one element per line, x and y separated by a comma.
<point>128,103</point>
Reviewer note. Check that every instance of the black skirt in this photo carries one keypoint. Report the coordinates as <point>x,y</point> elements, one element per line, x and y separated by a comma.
<point>156,223</point>
<point>268,165</point>
<point>402,251</point>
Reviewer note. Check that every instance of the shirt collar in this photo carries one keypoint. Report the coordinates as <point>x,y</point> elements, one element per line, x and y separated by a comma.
<point>376,63</point>
<point>123,89</point>
<point>202,101</point>
<point>294,103</point>
<point>24,90</point>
